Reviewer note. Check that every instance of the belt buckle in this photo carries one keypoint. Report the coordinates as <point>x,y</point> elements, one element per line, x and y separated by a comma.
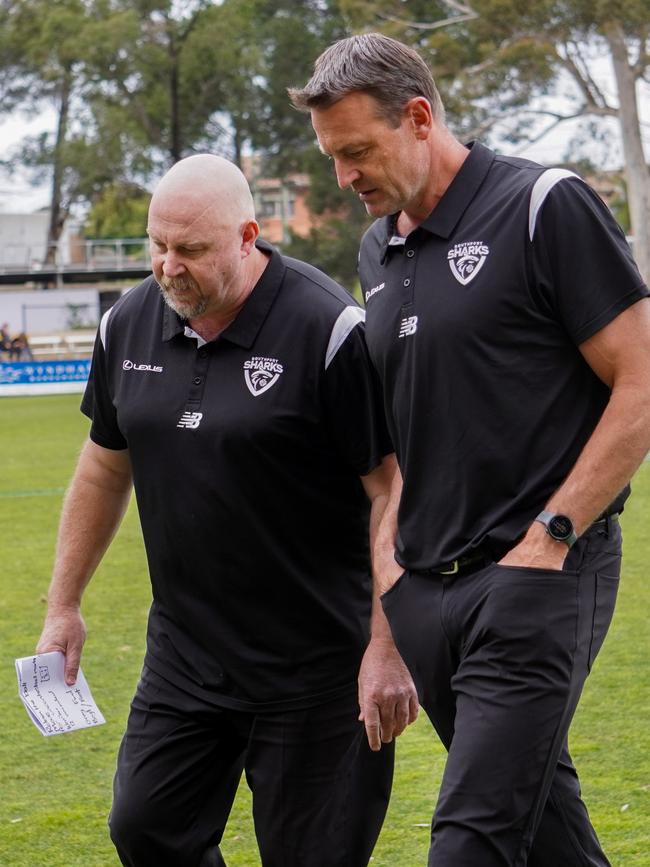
<point>455,566</point>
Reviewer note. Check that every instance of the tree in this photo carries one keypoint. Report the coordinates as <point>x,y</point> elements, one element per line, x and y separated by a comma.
<point>139,84</point>
<point>293,36</point>
<point>520,69</point>
<point>135,87</point>
<point>43,62</point>
<point>148,74</point>
<point>120,211</point>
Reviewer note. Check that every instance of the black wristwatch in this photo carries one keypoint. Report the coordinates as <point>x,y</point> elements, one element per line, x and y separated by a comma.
<point>558,527</point>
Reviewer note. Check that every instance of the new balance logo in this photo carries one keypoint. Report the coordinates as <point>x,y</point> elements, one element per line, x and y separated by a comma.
<point>190,420</point>
<point>408,326</point>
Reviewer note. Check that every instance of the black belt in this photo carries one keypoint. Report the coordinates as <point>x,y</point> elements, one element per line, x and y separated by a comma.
<point>465,564</point>
<point>480,557</point>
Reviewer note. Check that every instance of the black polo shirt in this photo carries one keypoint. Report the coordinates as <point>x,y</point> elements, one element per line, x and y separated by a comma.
<point>474,323</point>
<point>246,454</point>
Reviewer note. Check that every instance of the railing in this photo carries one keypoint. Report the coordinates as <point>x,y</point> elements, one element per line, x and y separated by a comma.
<point>119,254</point>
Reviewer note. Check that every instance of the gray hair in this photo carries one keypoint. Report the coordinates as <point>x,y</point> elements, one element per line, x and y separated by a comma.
<point>382,67</point>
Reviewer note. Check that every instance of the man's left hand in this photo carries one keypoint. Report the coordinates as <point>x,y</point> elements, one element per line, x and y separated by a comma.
<point>387,696</point>
<point>537,550</point>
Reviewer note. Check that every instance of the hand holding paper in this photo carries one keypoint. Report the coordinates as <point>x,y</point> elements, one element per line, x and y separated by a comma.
<point>53,706</point>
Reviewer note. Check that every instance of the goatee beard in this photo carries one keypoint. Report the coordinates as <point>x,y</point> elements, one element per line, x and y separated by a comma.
<point>193,307</point>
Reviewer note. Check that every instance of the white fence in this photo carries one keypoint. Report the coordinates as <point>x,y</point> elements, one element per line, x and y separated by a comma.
<point>76,255</point>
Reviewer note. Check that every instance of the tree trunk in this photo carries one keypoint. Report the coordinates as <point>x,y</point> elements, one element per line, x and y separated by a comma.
<point>176,147</point>
<point>237,143</point>
<point>57,213</point>
<point>636,168</point>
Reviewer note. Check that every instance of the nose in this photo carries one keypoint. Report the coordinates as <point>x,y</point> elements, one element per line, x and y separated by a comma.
<point>172,265</point>
<point>346,175</point>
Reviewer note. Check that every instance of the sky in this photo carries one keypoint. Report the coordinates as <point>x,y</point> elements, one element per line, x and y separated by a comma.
<point>16,193</point>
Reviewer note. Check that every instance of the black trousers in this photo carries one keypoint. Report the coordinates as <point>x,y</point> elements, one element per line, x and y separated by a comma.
<point>319,793</point>
<point>499,658</point>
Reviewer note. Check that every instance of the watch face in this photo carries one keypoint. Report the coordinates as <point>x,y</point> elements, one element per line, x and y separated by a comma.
<point>560,527</point>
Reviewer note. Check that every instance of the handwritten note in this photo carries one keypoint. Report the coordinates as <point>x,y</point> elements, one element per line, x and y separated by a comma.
<point>53,706</point>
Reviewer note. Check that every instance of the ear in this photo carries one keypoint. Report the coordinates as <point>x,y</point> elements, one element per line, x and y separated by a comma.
<point>420,116</point>
<point>249,234</point>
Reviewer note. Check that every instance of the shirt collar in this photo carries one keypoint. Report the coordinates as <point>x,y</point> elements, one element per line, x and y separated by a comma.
<point>445,216</point>
<point>245,327</point>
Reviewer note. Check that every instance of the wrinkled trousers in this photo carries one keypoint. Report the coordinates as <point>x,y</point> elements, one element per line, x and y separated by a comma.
<point>499,658</point>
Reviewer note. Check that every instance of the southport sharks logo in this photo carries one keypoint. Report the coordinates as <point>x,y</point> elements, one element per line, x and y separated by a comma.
<point>466,259</point>
<point>261,373</point>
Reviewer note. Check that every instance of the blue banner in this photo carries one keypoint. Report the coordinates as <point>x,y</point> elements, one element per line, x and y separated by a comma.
<point>43,377</point>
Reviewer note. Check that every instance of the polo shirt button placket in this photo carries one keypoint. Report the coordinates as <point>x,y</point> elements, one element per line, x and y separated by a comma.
<point>409,281</point>
<point>202,362</point>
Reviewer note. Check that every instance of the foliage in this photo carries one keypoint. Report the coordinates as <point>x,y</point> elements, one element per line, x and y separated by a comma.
<point>138,85</point>
<point>44,64</point>
<point>147,72</point>
<point>516,70</point>
<point>292,36</point>
<point>332,246</point>
<point>494,65</point>
<point>119,212</point>
<point>56,791</point>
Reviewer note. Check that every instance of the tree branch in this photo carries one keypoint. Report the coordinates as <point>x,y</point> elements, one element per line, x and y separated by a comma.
<point>541,135</point>
<point>576,67</point>
<point>465,13</point>
<point>643,60</point>
<point>135,107</point>
<point>503,47</point>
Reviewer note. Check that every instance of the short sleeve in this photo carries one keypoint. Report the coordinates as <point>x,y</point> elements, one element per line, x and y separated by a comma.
<point>97,404</point>
<point>352,400</point>
<point>583,264</point>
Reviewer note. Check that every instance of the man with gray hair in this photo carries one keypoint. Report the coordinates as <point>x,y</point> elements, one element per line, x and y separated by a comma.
<point>233,390</point>
<point>511,331</point>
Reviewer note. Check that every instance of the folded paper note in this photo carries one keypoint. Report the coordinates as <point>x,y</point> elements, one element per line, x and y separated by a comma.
<point>53,706</point>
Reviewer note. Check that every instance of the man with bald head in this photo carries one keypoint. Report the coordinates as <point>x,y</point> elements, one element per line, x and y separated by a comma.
<point>222,390</point>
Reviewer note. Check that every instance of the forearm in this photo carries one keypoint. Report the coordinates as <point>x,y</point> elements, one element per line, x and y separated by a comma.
<point>385,568</point>
<point>387,697</point>
<point>92,511</point>
<point>619,354</point>
<point>383,487</point>
<point>610,458</point>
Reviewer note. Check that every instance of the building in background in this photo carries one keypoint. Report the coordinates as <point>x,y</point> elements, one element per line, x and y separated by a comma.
<point>280,203</point>
<point>23,239</point>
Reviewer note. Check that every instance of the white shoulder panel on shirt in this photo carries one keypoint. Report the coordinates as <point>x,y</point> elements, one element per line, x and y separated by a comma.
<point>103,325</point>
<point>543,185</point>
<point>348,319</point>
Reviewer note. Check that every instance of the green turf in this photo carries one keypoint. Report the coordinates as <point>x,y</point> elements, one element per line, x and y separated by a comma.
<point>55,792</point>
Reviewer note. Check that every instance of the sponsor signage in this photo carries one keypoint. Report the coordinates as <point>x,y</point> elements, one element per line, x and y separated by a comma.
<point>43,377</point>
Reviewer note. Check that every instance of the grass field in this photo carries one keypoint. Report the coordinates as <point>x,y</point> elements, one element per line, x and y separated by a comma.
<point>55,792</point>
